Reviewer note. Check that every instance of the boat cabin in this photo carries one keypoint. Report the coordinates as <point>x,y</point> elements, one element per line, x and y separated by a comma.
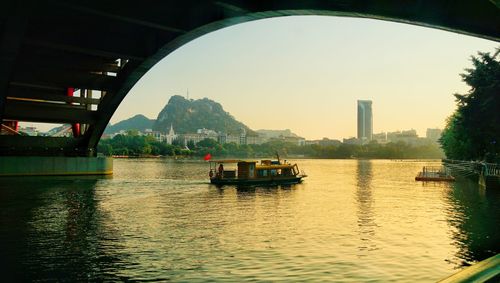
<point>242,169</point>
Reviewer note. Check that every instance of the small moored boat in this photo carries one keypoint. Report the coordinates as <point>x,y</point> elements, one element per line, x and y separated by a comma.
<point>243,172</point>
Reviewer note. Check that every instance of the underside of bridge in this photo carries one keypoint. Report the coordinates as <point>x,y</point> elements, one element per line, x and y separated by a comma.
<point>72,62</point>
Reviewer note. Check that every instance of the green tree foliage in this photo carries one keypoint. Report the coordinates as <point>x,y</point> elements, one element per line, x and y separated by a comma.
<point>207,143</point>
<point>190,144</point>
<point>142,145</point>
<point>472,132</point>
<point>399,150</point>
<point>135,145</point>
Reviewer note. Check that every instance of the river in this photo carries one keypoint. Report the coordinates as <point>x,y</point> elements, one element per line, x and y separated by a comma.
<point>156,219</point>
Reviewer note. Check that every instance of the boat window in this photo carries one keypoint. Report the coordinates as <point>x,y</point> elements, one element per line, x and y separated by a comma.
<point>251,172</point>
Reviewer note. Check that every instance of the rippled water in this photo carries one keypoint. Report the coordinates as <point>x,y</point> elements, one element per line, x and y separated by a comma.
<point>160,220</point>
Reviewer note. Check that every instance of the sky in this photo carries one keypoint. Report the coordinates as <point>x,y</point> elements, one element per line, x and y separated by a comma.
<point>305,73</point>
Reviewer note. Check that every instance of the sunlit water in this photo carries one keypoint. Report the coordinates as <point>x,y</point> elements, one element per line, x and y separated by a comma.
<point>161,220</point>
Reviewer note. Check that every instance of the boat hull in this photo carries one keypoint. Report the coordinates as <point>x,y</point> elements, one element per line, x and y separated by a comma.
<point>259,181</point>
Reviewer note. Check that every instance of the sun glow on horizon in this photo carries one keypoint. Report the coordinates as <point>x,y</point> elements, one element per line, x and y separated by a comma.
<point>305,73</point>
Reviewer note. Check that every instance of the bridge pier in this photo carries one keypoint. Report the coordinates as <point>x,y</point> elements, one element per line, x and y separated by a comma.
<point>54,166</point>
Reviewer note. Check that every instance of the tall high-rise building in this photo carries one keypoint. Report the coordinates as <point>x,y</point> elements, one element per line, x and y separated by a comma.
<point>365,120</point>
<point>434,134</point>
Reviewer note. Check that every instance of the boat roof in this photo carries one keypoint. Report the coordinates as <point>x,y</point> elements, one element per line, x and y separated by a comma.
<point>274,166</point>
<point>232,161</point>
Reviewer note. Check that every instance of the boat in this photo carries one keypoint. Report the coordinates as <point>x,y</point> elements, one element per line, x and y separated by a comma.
<point>244,172</point>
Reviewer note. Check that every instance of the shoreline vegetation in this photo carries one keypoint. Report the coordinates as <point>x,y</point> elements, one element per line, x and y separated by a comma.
<point>135,146</point>
<point>196,158</point>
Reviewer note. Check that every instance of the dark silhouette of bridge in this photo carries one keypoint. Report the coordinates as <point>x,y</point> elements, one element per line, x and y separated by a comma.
<point>56,55</point>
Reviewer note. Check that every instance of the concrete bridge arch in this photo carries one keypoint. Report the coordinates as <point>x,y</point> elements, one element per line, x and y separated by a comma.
<point>48,48</point>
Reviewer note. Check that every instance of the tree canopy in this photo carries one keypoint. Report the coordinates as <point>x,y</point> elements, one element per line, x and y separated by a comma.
<point>472,132</point>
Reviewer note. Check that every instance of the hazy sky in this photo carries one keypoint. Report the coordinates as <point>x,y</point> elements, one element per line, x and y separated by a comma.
<point>305,73</point>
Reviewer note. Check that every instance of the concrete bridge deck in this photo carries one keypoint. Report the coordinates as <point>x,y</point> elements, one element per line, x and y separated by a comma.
<point>73,62</point>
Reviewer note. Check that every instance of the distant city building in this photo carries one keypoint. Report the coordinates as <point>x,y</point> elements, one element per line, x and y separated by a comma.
<point>233,139</point>
<point>273,134</point>
<point>434,134</point>
<point>206,132</point>
<point>408,136</point>
<point>327,141</point>
<point>289,139</point>
<point>196,138</point>
<point>171,136</point>
<point>380,137</point>
<point>243,137</point>
<point>158,136</point>
<point>311,142</point>
<point>222,138</point>
<point>365,120</point>
<point>254,140</point>
<point>30,131</point>
<point>294,140</point>
<point>352,141</point>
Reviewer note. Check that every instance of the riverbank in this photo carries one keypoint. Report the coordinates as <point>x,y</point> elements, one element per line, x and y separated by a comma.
<point>147,146</point>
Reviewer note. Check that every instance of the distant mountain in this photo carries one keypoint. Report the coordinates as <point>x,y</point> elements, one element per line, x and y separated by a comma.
<point>276,133</point>
<point>187,116</point>
<point>138,122</point>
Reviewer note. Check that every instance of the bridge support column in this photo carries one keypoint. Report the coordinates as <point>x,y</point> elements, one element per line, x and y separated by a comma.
<point>54,166</point>
<point>75,126</point>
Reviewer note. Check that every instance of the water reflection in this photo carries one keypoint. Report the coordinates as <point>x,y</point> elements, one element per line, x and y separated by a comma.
<point>474,213</point>
<point>350,220</point>
<point>51,228</point>
<point>364,200</point>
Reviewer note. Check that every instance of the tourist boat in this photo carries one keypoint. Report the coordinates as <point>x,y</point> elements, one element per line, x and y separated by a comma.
<point>243,172</point>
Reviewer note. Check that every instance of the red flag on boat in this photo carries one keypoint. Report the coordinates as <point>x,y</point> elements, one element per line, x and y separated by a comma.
<point>207,157</point>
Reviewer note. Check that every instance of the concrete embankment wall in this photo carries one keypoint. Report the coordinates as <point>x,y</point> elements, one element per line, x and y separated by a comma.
<point>53,166</point>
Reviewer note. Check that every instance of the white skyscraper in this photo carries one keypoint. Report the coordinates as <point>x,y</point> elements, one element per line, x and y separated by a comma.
<point>365,120</point>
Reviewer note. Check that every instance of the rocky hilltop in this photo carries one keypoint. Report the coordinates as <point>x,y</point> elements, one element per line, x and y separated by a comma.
<point>187,116</point>
<point>138,122</point>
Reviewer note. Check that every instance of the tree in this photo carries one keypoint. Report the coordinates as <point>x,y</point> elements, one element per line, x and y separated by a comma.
<point>207,143</point>
<point>190,144</point>
<point>178,142</point>
<point>105,148</point>
<point>473,131</point>
<point>132,132</point>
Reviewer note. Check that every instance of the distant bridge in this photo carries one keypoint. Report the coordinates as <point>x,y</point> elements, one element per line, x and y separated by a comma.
<point>57,55</point>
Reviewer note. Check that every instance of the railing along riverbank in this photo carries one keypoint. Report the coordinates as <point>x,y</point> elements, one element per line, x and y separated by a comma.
<point>487,174</point>
<point>487,270</point>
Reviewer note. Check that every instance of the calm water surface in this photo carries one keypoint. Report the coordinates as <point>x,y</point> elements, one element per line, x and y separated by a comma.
<point>350,221</point>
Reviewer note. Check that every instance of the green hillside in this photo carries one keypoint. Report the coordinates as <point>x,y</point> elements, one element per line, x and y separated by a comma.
<point>187,116</point>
